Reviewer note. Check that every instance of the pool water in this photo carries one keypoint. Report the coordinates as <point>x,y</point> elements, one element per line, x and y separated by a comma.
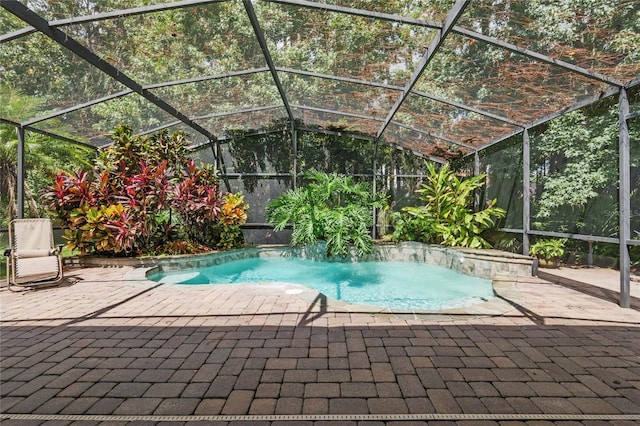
<point>394,285</point>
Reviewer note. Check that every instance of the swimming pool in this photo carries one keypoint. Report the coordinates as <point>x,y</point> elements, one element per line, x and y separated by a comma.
<point>393,285</point>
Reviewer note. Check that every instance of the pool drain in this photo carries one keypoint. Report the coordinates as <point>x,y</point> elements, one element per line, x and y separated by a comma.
<point>317,417</point>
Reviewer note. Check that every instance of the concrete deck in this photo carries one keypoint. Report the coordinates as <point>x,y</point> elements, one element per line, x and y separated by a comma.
<point>106,350</point>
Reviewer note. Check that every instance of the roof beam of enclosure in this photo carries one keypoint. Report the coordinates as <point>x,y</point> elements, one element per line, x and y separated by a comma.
<point>157,129</point>
<point>27,15</point>
<point>455,12</point>
<point>9,122</point>
<point>333,111</point>
<point>16,34</point>
<point>229,138</point>
<point>77,107</point>
<point>45,133</point>
<point>206,78</point>
<point>433,135</point>
<point>109,15</point>
<point>338,133</point>
<point>417,154</point>
<point>538,56</point>
<point>359,12</point>
<point>633,83</point>
<point>251,13</point>
<point>240,111</point>
<point>456,29</point>
<point>59,137</point>
<point>339,78</point>
<point>469,108</point>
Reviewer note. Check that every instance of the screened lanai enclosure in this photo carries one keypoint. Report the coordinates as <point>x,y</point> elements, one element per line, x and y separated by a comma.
<point>542,96</point>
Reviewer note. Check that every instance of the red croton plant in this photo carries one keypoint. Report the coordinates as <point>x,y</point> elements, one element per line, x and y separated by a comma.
<point>144,195</point>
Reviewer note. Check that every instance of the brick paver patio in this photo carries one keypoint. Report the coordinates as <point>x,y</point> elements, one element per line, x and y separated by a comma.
<point>107,350</point>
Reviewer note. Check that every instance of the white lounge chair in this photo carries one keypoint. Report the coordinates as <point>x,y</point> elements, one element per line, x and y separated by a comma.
<point>32,259</point>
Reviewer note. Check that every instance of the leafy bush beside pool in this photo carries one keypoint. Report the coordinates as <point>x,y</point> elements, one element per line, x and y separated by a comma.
<point>144,195</point>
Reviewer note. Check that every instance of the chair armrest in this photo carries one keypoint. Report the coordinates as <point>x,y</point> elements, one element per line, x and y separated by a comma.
<point>7,252</point>
<point>58,249</point>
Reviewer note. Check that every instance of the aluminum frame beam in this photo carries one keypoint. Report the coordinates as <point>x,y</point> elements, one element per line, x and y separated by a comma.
<point>157,129</point>
<point>239,111</point>
<point>20,174</point>
<point>339,78</point>
<point>46,133</point>
<point>476,172</point>
<point>470,108</point>
<point>625,200</point>
<point>580,237</point>
<point>13,35</point>
<point>253,18</point>
<point>77,107</point>
<point>433,135</point>
<point>27,15</point>
<point>294,146</point>
<point>206,78</point>
<point>337,133</point>
<point>259,133</point>
<point>359,12</point>
<point>526,191</point>
<point>59,137</point>
<point>455,13</point>
<point>122,13</point>
<point>333,111</point>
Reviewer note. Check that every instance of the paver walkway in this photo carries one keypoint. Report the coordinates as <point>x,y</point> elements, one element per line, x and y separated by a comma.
<point>110,351</point>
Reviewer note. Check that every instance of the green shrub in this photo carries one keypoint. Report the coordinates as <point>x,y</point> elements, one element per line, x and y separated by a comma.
<point>332,208</point>
<point>142,194</point>
<point>549,249</point>
<point>447,217</point>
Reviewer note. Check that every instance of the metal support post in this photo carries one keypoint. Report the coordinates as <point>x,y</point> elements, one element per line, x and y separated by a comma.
<point>476,172</point>
<point>20,175</point>
<point>526,191</point>
<point>222,167</point>
<point>214,151</point>
<point>294,141</point>
<point>374,187</point>
<point>625,201</point>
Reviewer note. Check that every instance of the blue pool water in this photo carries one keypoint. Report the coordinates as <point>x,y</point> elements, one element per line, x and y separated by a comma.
<point>395,285</point>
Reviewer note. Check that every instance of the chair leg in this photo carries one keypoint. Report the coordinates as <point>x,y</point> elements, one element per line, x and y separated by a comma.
<point>11,279</point>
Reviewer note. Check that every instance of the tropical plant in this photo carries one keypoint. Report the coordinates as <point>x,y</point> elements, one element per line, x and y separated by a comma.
<point>447,217</point>
<point>548,250</point>
<point>233,213</point>
<point>330,207</point>
<point>142,196</point>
